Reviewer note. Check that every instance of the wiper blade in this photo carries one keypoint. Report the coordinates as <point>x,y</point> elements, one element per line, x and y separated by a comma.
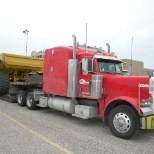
<point>92,72</point>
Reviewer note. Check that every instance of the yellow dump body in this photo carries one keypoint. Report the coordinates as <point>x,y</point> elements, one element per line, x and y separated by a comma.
<point>19,66</point>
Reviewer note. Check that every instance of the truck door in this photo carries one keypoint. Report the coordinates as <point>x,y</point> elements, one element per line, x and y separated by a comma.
<point>84,80</point>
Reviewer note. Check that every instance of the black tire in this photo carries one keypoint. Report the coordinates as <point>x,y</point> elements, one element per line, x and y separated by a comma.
<point>123,121</point>
<point>4,83</point>
<point>21,98</point>
<point>30,102</point>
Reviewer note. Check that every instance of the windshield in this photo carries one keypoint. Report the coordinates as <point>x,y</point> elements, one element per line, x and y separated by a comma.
<point>109,66</point>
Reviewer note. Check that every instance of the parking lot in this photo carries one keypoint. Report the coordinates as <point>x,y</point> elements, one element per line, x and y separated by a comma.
<point>48,131</point>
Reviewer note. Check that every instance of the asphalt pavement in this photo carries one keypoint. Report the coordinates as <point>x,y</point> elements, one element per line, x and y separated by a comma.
<point>46,131</point>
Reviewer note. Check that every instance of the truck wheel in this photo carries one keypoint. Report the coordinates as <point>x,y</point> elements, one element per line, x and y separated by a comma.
<point>4,83</point>
<point>21,98</point>
<point>123,122</point>
<point>30,102</point>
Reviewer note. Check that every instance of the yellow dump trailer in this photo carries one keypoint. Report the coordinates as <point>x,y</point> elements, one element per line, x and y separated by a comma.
<point>18,72</point>
<point>19,66</point>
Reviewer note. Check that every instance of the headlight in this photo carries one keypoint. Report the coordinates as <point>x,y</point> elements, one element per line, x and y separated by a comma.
<point>146,102</point>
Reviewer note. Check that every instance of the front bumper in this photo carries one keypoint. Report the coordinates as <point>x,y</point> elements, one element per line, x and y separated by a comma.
<point>147,122</point>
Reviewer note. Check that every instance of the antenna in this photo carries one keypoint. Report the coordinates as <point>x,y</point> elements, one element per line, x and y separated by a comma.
<point>86,39</point>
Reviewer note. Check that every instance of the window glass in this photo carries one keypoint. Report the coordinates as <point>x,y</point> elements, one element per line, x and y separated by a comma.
<point>89,66</point>
<point>109,66</point>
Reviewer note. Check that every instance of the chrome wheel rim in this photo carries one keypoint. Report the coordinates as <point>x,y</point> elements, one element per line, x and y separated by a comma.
<point>29,101</point>
<point>122,122</point>
<point>19,99</point>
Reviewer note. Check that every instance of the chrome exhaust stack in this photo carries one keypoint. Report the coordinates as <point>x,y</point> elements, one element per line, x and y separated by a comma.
<point>72,90</point>
<point>74,46</point>
<point>108,46</point>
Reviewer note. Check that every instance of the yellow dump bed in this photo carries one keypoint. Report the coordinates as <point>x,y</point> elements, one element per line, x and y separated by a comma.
<point>12,63</point>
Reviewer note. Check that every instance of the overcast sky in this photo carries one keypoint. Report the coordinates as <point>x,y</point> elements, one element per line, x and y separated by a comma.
<point>52,23</point>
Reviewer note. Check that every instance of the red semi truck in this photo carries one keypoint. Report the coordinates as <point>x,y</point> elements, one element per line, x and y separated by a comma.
<point>87,83</point>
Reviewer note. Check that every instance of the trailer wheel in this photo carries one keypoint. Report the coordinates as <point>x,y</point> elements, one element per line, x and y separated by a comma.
<point>123,122</point>
<point>21,98</point>
<point>30,102</point>
<point>4,83</point>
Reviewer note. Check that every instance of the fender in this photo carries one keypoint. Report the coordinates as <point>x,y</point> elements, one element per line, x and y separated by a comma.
<point>130,100</point>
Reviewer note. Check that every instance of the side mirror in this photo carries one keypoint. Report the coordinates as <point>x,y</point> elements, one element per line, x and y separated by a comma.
<point>150,74</point>
<point>85,66</point>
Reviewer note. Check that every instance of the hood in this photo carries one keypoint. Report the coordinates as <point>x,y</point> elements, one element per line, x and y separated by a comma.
<point>116,86</point>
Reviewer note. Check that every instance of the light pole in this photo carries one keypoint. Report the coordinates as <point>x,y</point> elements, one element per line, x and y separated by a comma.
<point>131,65</point>
<point>26,32</point>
